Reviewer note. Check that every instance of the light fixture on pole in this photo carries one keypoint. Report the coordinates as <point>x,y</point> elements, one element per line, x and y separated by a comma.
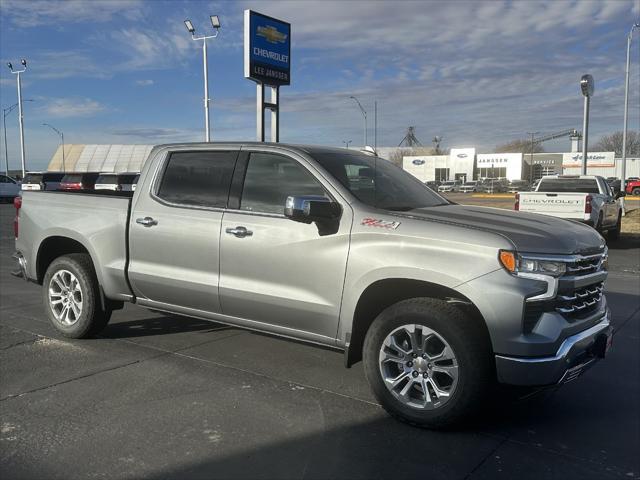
<point>215,22</point>
<point>364,114</point>
<point>347,142</point>
<point>587,86</point>
<point>20,116</point>
<point>626,110</point>
<point>5,112</point>
<point>64,168</point>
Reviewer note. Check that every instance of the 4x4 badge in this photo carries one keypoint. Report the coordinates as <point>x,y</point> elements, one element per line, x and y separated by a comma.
<point>376,222</point>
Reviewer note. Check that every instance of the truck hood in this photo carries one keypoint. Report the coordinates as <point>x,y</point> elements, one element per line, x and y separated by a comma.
<point>528,232</point>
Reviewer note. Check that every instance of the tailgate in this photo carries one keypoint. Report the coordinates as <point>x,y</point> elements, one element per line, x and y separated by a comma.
<point>569,205</point>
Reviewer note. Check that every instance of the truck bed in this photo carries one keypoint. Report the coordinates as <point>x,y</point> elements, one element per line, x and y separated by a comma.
<point>99,221</point>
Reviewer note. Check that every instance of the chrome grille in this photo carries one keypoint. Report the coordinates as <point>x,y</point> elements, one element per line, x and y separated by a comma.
<point>585,265</point>
<point>583,300</point>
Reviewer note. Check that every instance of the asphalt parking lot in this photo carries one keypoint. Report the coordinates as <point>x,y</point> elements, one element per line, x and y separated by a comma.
<point>169,397</point>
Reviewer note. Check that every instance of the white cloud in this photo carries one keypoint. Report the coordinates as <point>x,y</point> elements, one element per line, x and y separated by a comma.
<point>72,107</point>
<point>31,13</point>
<point>144,83</point>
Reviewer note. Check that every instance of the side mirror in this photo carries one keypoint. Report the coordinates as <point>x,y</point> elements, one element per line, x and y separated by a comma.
<point>620,194</point>
<point>311,208</point>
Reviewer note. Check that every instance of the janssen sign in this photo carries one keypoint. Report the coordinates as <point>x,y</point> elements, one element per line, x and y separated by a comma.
<point>267,49</point>
<point>594,159</point>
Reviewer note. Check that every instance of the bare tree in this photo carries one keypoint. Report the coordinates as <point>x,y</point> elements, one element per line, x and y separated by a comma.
<point>519,146</point>
<point>613,143</point>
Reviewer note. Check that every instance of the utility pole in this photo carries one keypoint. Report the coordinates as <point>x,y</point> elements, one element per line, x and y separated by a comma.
<point>533,134</point>
<point>587,85</point>
<point>364,114</point>
<point>626,110</point>
<point>64,168</point>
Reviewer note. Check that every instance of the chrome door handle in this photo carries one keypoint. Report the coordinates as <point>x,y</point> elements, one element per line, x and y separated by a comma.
<point>146,221</point>
<point>239,232</point>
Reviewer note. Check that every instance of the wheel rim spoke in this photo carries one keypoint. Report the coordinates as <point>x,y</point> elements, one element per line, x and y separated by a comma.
<point>418,367</point>
<point>65,297</point>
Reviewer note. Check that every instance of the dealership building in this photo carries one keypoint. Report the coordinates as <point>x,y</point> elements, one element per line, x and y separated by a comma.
<point>465,164</point>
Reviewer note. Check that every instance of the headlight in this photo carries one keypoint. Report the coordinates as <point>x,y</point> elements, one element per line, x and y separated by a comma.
<point>516,263</point>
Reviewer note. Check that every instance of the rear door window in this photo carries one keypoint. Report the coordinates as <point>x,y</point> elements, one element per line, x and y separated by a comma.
<point>569,185</point>
<point>198,178</point>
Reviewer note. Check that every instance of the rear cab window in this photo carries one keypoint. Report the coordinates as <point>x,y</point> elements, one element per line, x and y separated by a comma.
<point>569,185</point>
<point>33,178</point>
<point>199,179</point>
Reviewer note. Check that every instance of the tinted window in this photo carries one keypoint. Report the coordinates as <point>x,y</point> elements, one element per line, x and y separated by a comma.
<point>33,178</point>
<point>77,178</point>
<point>127,178</point>
<point>198,178</point>
<point>53,177</point>
<point>270,179</point>
<point>107,179</point>
<point>568,185</point>
<point>378,182</point>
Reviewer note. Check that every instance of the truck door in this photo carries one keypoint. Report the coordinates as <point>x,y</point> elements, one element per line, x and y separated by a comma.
<point>174,230</point>
<point>272,269</point>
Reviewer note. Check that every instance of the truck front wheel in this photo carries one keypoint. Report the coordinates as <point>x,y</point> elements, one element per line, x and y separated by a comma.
<point>428,363</point>
<point>71,297</point>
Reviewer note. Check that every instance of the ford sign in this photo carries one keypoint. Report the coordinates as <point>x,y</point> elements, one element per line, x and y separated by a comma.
<point>418,161</point>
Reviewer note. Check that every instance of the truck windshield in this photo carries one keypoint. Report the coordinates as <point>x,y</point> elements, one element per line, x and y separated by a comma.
<point>568,185</point>
<point>377,182</point>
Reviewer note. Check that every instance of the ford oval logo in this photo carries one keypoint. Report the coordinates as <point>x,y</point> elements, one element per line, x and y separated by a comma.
<point>462,155</point>
<point>418,161</point>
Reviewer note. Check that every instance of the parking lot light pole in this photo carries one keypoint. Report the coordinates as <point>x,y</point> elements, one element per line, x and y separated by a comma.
<point>364,114</point>
<point>5,113</point>
<point>586,86</point>
<point>347,142</point>
<point>215,22</point>
<point>20,116</point>
<point>626,110</point>
<point>64,168</point>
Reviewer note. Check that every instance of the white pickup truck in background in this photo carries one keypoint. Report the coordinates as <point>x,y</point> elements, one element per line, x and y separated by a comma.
<point>586,198</point>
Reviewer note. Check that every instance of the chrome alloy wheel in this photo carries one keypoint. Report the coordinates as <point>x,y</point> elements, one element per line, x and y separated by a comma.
<point>418,367</point>
<point>65,297</point>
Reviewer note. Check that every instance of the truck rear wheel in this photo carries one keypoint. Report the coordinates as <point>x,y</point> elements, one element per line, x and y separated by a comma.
<point>614,233</point>
<point>71,297</point>
<point>428,363</point>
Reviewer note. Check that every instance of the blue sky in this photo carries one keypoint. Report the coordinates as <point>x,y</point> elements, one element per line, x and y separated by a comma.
<point>476,73</point>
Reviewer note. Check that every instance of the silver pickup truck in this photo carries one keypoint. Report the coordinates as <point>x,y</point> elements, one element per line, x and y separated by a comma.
<point>334,247</point>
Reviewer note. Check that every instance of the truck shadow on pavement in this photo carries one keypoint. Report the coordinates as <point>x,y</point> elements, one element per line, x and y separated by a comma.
<point>159,325</point>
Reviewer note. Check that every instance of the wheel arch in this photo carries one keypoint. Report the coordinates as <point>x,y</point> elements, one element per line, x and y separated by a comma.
<point>383,293</point>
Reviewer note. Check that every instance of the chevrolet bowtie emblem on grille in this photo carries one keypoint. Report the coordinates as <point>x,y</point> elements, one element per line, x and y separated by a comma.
<point>271,34</point>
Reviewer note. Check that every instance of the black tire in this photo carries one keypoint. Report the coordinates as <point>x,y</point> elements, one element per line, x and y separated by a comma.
<point>599,223</point>
<point>614,233</point>
<point>467,338</point>
<point>92,318</point>
<point>635,191</point>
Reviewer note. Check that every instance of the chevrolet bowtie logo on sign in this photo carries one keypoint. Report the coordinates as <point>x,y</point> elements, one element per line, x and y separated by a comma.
<point>271,34</point>
<point>267,49</point>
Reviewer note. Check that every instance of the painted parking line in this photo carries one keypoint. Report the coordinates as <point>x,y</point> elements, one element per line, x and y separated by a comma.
<point>503,195</point>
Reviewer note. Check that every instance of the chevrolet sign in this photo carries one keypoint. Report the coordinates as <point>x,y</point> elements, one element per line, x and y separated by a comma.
<point>267,49</point>
<point>418,161</point>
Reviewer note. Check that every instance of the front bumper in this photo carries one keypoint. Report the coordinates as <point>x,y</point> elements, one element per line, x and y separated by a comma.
<point>576,354</point>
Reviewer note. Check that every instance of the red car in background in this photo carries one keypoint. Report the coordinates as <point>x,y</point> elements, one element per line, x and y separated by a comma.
<point>632,187</point>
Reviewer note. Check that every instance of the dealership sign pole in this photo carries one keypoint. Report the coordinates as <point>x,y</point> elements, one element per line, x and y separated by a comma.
<point>587,86</point>
<point>267,61</point>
